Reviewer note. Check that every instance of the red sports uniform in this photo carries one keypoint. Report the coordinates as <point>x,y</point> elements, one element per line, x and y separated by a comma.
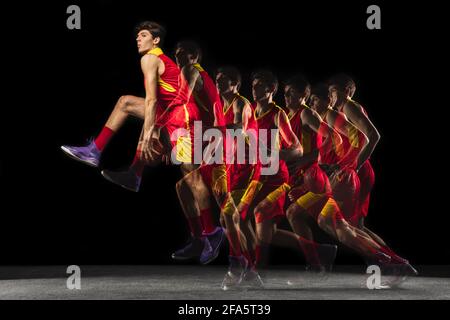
<point>211,114</point>
<point>366,177</point>
<point>311,177</point>
<point>172,109</point>
<point>271,183</point>
<point>242,175</point>
<point>345,183</point>
<point>314,179</point>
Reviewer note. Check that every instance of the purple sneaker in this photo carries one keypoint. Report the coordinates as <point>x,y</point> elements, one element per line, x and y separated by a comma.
<point>216,239</point>
<point>192,250</point>
<point>207,254</point>
<point>88,154</point>
<point>126,179</point>
<point>198,248</point>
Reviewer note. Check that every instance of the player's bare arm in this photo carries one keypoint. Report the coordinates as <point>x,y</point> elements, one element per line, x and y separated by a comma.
<point>356,115</point>
<point>150,65</point>
<point>358,140</point>
<point>294,148</point>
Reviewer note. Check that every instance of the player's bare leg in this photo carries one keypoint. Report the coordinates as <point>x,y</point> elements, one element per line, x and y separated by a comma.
<point>229,216</point>
<point>240,264</point>
<point>331,221</point>
<point>320,257</point>
<point>195,215</point>
<point>187,189</point>
<point>298,219</point>
<point>130,179</point>
<point>90,154</point>
<point>250,234</point>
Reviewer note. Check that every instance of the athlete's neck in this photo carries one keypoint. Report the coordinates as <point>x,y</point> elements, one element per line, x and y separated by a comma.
<point>341,105</point>
<point>263,106</point>
<point>294,108</point>
<point>229,96</point>
<point>323,112</point>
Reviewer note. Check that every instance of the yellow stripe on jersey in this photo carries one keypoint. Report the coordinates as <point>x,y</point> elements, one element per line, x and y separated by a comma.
<point>229,207</point>
<point>246,101</point>
<point>278,193</point>
<point>156,51</point>
<point>309,199</point>
<point>166,86</point>
<point>184,143</point>
<point>265,113</point>
<point>292,115</point>
<point>338,148</point>
<point>252,189</point>
<point>330,209</point>
<point>353,137</point>
<point>198,67</point>
<point>227,108</point>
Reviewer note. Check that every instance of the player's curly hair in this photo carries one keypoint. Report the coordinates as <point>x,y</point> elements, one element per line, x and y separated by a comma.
<point>190,47</point>
<point>156,30</point>
<point>232,73</point>
<point>268,77</point>
<point>320,90</point>
<point>299,83</point>
<point>342,81</point>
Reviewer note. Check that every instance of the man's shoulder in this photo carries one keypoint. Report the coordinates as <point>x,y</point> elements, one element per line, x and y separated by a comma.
<point>353,105</point>
<point>150,59</point>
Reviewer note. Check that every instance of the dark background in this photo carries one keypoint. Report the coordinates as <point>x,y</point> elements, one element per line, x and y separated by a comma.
<point>63,84</point>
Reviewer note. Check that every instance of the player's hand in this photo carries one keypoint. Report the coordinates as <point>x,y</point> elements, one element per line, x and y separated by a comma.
<point>149,143</point>
<point>146,145</point>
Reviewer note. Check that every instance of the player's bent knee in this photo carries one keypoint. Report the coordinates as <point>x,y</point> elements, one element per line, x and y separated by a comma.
<point>293,212</point>
<point>323,223</point>
<point>262,207</point>
<point>123,101</point>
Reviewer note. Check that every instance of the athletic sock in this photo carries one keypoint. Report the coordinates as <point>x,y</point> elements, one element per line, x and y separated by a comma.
<point>195,225</point>
<point>207,220</point>
<point>309,249</point>
<point>103,138</point>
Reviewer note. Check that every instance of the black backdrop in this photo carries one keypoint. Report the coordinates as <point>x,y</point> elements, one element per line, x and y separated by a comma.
<point>65,82</point>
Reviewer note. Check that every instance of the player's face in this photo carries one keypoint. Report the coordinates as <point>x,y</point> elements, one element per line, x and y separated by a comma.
<point>318,104</point>
<point>292,97</point>
<point>260,90</point>
<point>334,95</point>
<point>350,91</point>
<point>184,58</point>
<point>223,83</point>
<point>144,41</point>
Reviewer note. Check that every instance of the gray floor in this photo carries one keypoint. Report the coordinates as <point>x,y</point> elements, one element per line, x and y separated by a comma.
<point>200,282</point>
